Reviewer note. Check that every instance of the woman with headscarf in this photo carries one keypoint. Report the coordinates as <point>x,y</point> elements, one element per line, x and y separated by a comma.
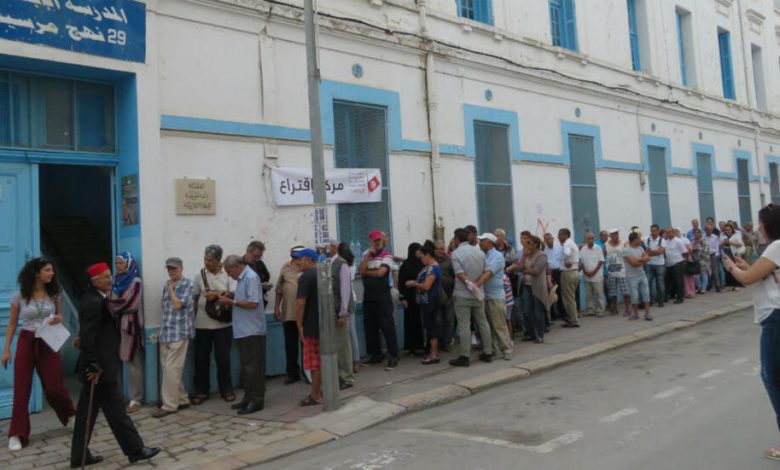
<point>413,328</point>
<point>125,304</point>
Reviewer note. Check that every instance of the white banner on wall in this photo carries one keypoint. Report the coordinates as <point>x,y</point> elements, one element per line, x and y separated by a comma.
<point>294,186</point>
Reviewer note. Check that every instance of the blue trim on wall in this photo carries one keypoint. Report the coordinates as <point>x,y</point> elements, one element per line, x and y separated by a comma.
<point>473,113</point>
<point>391,100</point>
<point>330,91</point>
<point>656,141</point>
<point>589,130</point>
<point>60,157</point>
<point>703,148</point>
<point>244,129</point>
<point>745,155</point>
<point>769,160</point>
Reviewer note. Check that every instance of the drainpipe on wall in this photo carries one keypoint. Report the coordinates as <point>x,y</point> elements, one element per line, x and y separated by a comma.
<point>432,105</point>
<point>752,101</point>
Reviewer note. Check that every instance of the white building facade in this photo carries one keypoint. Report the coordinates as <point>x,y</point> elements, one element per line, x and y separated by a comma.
<point>519,114</point>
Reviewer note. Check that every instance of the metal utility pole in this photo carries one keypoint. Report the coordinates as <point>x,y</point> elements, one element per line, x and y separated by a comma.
<point>328,347</point>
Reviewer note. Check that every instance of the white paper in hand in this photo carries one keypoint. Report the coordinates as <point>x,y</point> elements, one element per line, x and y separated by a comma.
<point>54,335</point>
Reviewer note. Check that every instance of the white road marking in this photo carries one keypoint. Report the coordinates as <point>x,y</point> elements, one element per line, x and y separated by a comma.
<point>618,415</point>
<point>709,374</point>
<point>669,393</point>
<point>372,460</point>
<point>739,361</point>
<point>544,448</point>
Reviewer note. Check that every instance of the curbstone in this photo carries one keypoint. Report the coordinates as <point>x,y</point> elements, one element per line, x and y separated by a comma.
<point>549,362</point>
<point>223,463</point>
<point>677,325</point>
<point>356,414</point>
<point>493,379</point>
<point>283,447</point>
<point>431,398</point>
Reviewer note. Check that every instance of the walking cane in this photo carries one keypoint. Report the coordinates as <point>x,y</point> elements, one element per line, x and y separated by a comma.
<point>86,428</point>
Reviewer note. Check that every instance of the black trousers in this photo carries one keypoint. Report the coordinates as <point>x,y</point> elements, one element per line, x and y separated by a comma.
<point>414,339</point>
<point>675,281</point>
<point>220,340</point>
<point>291,348</point>
<point>252,352</point>
<point>109,399</point>
<point>378,316</point>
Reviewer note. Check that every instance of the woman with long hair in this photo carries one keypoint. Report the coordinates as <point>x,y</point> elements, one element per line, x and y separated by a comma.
<point>36,304</point>
<point>413,328</point>
<point>346,252</point>
<point>125,304</point>
<point>766,304</point>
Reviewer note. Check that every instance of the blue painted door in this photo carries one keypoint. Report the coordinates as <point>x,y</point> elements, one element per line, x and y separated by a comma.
<point>704,183</point>
<point>584,193</point>
<point>494,177</point>
<point>18,226</point>
<point>659,190</point>
<point>361,142</point>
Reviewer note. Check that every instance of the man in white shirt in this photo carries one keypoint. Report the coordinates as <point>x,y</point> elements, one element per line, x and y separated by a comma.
<point>570,277</point>
<point>675,266</point>
<point>616,273</point>
<point>592,258</point>
<point>656,267</point>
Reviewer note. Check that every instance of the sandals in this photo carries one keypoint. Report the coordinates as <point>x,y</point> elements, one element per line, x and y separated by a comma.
<point>772,454</point>
<point>431,360</point>
<point>229,397</point>
<point>310,401</point>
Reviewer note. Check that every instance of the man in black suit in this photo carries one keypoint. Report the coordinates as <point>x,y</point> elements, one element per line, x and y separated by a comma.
<point>100,365</point>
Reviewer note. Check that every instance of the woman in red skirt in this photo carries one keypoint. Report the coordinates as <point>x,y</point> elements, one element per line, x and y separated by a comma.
<point>36,303</point>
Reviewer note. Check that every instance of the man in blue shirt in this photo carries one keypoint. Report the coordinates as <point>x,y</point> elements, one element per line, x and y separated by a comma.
<point>249,330</point>
<point>495,297</point>
<point>178,327</point>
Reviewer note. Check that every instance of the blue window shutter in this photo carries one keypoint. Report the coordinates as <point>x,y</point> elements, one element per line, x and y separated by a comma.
<point>570,25</point>
<point>633,35</point>
<point>726,70</point>
<point>477,10</point>
<point>556,28</point>
<point>681,47</point>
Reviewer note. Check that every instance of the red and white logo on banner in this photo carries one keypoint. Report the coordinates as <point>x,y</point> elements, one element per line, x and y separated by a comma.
<point>373,184</point>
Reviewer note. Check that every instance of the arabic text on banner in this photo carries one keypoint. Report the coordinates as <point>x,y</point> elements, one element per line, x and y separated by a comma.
<point>294,186</point>
<point>108,28</point>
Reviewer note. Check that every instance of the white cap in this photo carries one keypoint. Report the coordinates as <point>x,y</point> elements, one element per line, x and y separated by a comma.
<point>613,230</point>
<point>488,236</point>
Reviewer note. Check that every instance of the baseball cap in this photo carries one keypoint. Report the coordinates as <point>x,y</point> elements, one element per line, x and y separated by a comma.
<point>174,262</point>
<point>376,235</point>
<point>488,236</point>
<point>305,253</point>
<point>613,230</point>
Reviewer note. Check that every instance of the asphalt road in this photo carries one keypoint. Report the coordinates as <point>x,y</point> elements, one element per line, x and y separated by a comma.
<point>691,400</point>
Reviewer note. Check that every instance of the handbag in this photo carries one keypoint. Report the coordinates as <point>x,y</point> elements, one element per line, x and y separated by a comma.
<point>215,310</point>
<point>692,268</point>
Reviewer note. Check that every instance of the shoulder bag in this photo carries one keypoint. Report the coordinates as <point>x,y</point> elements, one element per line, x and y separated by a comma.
<point>215,310</point>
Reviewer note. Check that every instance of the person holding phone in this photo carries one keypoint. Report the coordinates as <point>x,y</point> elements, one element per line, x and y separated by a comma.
<point>37,303</point>
<point>766,305</point>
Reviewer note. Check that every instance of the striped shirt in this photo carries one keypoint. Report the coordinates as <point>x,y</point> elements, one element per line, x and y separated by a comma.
<point>178,325</point>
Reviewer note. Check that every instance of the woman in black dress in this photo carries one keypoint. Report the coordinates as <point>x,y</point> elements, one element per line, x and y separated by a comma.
<point>413,328</point>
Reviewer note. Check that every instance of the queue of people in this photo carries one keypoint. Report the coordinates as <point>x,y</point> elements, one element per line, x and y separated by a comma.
<point>478,293</point>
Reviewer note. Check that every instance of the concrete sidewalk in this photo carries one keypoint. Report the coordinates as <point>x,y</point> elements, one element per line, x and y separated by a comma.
<point>211,436</point>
